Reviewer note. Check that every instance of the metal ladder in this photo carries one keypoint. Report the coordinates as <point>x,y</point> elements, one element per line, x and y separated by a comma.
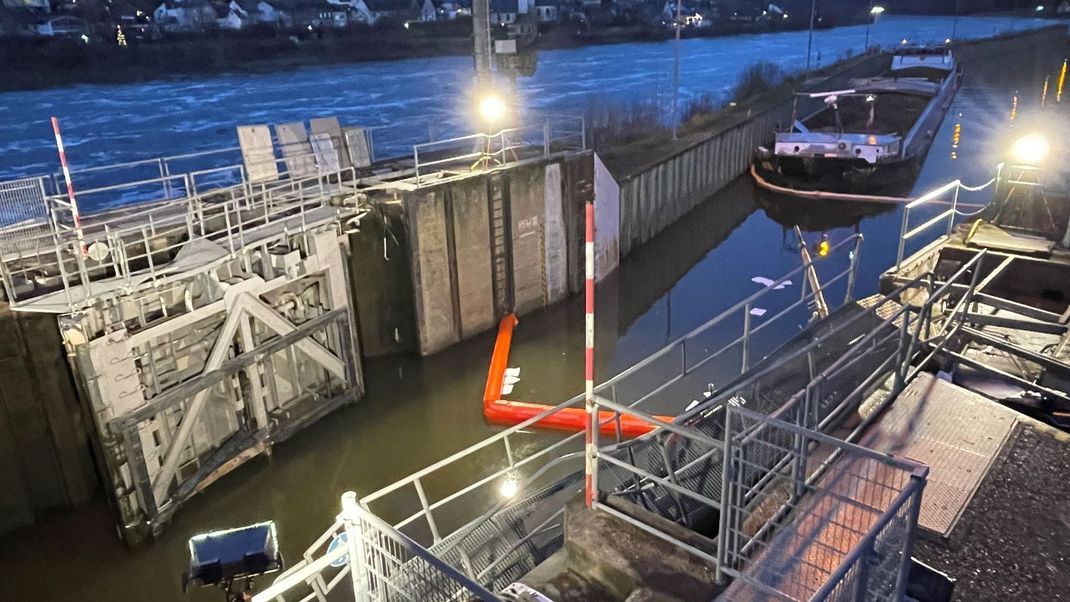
<point>501,246</point>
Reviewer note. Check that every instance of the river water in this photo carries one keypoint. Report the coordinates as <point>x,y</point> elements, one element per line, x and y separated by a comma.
<point>417,411</point>
<point>107,124</point>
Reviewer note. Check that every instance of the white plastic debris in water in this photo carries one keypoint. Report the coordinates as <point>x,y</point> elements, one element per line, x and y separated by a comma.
<point>766,282</point>
<point>757,312</point>
<point>512,376</point>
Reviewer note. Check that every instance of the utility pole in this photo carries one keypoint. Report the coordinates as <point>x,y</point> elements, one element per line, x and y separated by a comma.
<point>676,74</point>
<point>481,34</point>
<point>810,39</point>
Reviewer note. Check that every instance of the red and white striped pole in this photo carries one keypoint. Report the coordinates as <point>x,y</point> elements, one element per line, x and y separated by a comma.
<point>590,466</point>
<point>67,180</point>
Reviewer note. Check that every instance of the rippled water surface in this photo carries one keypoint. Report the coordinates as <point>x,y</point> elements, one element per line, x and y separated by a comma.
<point>106,124</point>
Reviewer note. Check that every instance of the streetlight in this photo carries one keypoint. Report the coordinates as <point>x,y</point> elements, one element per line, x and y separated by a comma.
<point>676,73</point>
<point>874,12</point>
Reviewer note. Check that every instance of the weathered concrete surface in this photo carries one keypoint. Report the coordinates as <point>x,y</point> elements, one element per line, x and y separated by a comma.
<point>435,319</point>
<point>44,451</point>
<point>457,288</point>
<point>555,236</point>
<point>381,281</point>
<point>475,281</point>
<point>605,558</point>
<point>527,208</point>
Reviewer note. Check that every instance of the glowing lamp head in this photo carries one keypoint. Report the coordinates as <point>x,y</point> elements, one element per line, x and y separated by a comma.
<point>1031,149</point>
<point>510,486</point>
<point>877,11</point>
<point>824,247</point>
<point>492,108</point>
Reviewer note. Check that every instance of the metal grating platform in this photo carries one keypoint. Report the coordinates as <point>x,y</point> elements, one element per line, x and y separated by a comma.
<point>956,432</point>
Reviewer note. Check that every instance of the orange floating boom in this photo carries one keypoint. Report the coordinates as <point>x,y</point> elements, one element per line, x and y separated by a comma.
<point>504,411</point>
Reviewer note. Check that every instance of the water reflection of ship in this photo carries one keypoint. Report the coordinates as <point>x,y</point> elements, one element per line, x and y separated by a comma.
<point>649,273</point>
<point>810,216</point>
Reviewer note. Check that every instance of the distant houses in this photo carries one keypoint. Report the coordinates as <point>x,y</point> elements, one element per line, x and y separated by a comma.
<point>152,19</point>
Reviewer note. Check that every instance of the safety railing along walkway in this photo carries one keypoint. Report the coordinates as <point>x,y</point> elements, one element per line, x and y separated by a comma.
<point>453,519</point>
<point>391,565</point>
<point>946,195</point>
<point>123,251</point>
<point>443,160</point>
<point>483,524</point>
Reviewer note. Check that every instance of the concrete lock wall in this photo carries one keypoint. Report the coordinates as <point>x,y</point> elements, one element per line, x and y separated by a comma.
<point>44,449</point>
<point>452,238</point>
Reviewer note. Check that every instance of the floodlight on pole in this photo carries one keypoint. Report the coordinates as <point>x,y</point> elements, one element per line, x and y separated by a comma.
<point>1031,149</point>
<point>492,109</point>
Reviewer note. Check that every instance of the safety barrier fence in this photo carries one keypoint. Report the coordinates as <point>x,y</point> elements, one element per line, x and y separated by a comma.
<point>456,157</point>
<point>678,470</point>
<point>389,566</point>
<point>458,521</point>
<point>946,195</point>
<point>680,473</point>
<point>135,247</point>
<point>841,531</point>
<point>227,172</point>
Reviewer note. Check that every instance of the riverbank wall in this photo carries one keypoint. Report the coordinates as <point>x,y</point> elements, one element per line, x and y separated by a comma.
<point>662,180</point>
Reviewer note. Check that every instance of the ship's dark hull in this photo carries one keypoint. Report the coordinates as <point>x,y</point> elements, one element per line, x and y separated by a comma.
<point>893,179</point>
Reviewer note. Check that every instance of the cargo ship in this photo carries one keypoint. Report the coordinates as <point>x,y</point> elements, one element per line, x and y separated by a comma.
<point>869,139</point>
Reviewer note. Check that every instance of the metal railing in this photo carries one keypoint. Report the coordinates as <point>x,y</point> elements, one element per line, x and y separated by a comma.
<point>842,530</point>
<point>23,213</point>
<point>678,470</point>
<point>457,157</point>
<point>947,217</point>
<point>134,248</point>
<point>634,387</point>
<point>446,508</point>
<point>380,562</point>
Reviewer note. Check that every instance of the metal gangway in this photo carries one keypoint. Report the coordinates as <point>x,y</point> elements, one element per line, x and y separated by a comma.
<point>770,438</point>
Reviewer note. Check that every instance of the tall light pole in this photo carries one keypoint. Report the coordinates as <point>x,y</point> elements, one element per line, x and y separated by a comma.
<point>874,12</point>
<point>810,39</point>
<point>676,73</point>
<point>481,36</point>
<point>955,23</point>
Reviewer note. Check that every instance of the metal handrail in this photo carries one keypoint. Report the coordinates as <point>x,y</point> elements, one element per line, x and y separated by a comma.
<point>283,200</point>
<point>948,215</point>
<point>427,509</point>
<point>498,155</point>
<point>359,545</point>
